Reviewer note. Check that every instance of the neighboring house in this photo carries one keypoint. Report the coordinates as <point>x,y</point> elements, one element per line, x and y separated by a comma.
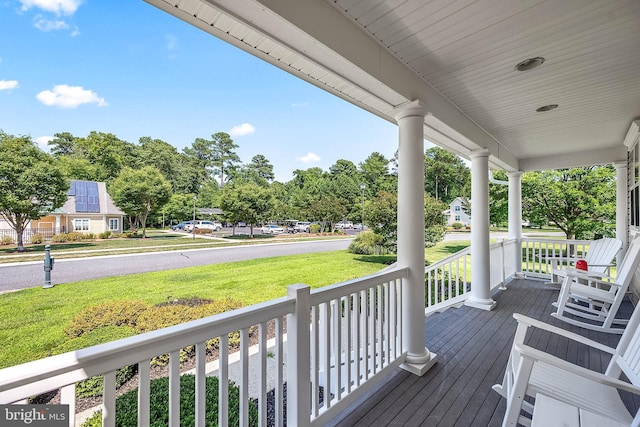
<point>456,212</point>
<point>88,209</point>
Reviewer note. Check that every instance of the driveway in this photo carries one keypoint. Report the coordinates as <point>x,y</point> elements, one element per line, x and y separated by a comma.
<point>31,274</point>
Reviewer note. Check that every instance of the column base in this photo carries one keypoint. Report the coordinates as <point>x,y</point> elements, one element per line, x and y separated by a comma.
<point>483,304</point>
<point>419,365</point>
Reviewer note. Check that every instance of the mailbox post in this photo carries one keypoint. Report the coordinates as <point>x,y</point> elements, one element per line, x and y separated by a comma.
<point>48,266</point>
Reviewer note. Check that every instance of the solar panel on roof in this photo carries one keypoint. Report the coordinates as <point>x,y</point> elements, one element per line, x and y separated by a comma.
<point>81,196</point>
<point>87,196</point>
<point>93,200</point>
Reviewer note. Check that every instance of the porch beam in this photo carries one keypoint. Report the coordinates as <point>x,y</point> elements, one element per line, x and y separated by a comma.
<point>515,215</point>
<point>480,251</point>
<point>410,118</point>
<point>585,158</point>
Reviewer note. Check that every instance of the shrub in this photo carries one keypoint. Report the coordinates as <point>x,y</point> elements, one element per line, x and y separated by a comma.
<point>104,235</point>
<point>74,236</point>
<point>172,314</point>
<point>314,228</point>
<point>37,239</point>
<point>112,313</point>
<point>88,236</point>
<point>127,405</point>
<point>94,386</point>
<point>6,240</point>
<point>457,225</point>
<point>131,234</point>
<point>366,243</point>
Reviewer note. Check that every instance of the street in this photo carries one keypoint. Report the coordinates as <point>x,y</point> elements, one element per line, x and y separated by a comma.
<point>31,274</point>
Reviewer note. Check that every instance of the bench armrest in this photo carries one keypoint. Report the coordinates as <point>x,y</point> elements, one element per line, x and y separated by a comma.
<point>559,331</point>
<point>541,356</point>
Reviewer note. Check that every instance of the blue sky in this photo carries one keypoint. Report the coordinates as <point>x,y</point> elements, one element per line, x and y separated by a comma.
<point>127,68</point>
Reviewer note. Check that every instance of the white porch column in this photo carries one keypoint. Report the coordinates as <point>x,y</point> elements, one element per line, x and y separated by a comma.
<point>515,215</point>
<point>480,258</point>
<point>410,118</point>
<point>57,226</point>
<point>622,192</point>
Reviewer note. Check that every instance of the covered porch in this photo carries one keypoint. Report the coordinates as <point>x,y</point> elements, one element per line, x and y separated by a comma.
<point>516,86</point>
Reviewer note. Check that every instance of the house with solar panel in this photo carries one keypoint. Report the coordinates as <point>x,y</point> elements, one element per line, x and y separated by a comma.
<point>88,209</point>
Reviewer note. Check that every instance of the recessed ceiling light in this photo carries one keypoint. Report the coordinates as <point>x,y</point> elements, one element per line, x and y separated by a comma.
<point>547,107</point>
<point>530,64</point>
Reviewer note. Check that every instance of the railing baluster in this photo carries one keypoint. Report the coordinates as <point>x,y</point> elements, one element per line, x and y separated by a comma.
<point>223,381</point>
<point>174,388</point>
<point>337,347</point>
<point>68,397</point>
<point>356,343</point>
<point>144,393</point>
<point>315,361</point>
<point>325,342</point>
<point>365,334</point>
<point>279,407</point>
<point>201,352</point>
<point>372,331</point>
<point>379,307</point>
<point>346,347</point>
<point>109,400</point>
<point>244,377</point>
<point>262,347</point>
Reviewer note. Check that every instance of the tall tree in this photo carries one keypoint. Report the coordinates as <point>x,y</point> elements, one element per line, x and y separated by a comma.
<point>258,171</point>
<point>499,200</point>
<point>246,202</point>
<point>446,175</point>
<point>139,192</point>
<point>30,183</point>
<point>225,158</point>
<point>579,201</point>
<point>376,176</point>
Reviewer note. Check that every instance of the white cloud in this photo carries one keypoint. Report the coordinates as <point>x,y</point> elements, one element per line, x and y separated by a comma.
<point>309,158</point>
<point>65,96</point>
<point>59,7</point>
<point>241,130</point>
<point>42,142</point>
<point>8,84</point>
<point>47,25</point>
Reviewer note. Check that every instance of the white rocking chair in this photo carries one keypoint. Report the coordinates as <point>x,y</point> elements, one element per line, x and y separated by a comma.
<point>599,258</point>
<point>596,396</point>
<point>588,301</point>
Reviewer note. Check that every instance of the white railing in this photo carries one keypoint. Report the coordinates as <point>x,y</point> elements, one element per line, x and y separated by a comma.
<point>355,338</point>
<point>448,282</point>
<point>536,255</point>
<point>340,339</point>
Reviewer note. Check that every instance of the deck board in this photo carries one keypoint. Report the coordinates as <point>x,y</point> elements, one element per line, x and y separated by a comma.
<point>473,347</point>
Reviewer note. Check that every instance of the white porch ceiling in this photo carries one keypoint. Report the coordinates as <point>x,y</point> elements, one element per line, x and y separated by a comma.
<point>459,58</point>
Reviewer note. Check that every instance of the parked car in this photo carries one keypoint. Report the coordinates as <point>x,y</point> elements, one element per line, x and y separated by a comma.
<point>209,225</point>
<point>180,226</point>
<point>302,227</point>
<point>343,225</point>
<point>271,229</point>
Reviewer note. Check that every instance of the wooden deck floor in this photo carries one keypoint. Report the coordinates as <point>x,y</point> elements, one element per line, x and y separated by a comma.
<point>472,347</point>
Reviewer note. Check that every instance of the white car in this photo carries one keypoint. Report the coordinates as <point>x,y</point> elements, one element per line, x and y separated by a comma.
<point>271,229</point>
<point>209,225</point>
<point>343,225</point>
<point>302,227</point>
